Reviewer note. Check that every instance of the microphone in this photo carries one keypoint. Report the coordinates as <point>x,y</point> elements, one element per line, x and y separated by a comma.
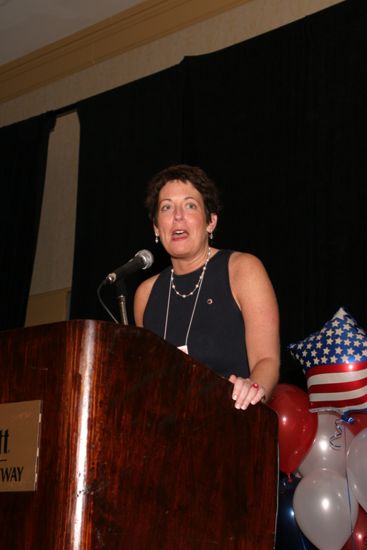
<point>142,260</point>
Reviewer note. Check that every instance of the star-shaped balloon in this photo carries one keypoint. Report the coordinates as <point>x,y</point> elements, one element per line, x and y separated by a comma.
<point>334,361</point>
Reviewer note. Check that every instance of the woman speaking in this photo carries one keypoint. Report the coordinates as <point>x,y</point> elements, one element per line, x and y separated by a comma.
<point>218,306</point>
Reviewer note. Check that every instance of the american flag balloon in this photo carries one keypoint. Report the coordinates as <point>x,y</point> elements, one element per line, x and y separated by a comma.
<point>334,361</point>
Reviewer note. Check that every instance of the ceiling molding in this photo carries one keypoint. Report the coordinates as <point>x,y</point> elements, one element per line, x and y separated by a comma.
<point>120,33</point>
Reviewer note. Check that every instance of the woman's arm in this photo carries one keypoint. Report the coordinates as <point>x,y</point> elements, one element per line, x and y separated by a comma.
<point>253,291</point>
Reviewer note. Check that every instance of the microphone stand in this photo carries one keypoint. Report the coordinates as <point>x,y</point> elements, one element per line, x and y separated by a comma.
<point>121,299</point>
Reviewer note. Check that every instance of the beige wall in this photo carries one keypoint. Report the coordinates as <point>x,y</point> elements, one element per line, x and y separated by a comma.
<point>53,265</point>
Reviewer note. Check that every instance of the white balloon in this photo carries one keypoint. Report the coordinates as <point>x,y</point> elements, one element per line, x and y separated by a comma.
<point>357,467</point>
<point>325,509</point>
<point>322,454</point>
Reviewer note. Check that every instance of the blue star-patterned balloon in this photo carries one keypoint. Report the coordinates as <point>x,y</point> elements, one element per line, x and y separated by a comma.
<point>334,361</point>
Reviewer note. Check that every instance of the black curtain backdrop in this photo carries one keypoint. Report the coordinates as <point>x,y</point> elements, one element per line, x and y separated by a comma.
<point>279,122</point>
<point>22,174</point>
<point>126,136</point>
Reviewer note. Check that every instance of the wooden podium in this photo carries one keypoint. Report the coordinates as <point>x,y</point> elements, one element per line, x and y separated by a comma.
<point>141,447</point>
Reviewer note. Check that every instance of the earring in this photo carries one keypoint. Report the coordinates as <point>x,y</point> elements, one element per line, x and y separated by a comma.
<point>211,236</point>
<point>156,239</point>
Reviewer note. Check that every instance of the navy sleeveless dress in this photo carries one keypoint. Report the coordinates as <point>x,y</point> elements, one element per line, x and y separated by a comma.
<point>217,334</point>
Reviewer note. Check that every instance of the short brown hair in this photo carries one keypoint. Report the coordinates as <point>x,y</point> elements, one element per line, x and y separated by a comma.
<point>185,173</point>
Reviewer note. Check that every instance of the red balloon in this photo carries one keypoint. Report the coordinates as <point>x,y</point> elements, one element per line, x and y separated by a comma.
<point>358,540</point>
<point>297,425</point>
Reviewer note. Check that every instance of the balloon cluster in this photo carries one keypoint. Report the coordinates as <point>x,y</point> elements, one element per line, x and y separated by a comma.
<point>323,442</point>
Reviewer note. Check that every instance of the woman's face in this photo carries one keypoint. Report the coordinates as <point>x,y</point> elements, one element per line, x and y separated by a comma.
<point>181,219</point>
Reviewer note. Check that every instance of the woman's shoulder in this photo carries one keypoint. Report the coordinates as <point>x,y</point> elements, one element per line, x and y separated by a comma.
<point>244,261</point>
<point>141,298</point>
<point>248,276</point>
<point>145,288</point>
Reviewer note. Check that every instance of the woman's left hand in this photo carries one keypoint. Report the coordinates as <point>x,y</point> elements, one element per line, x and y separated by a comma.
<point>246,392</point>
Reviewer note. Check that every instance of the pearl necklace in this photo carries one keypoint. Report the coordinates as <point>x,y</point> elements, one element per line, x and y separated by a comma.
<point>198,288</point>
<point>197,284</point>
